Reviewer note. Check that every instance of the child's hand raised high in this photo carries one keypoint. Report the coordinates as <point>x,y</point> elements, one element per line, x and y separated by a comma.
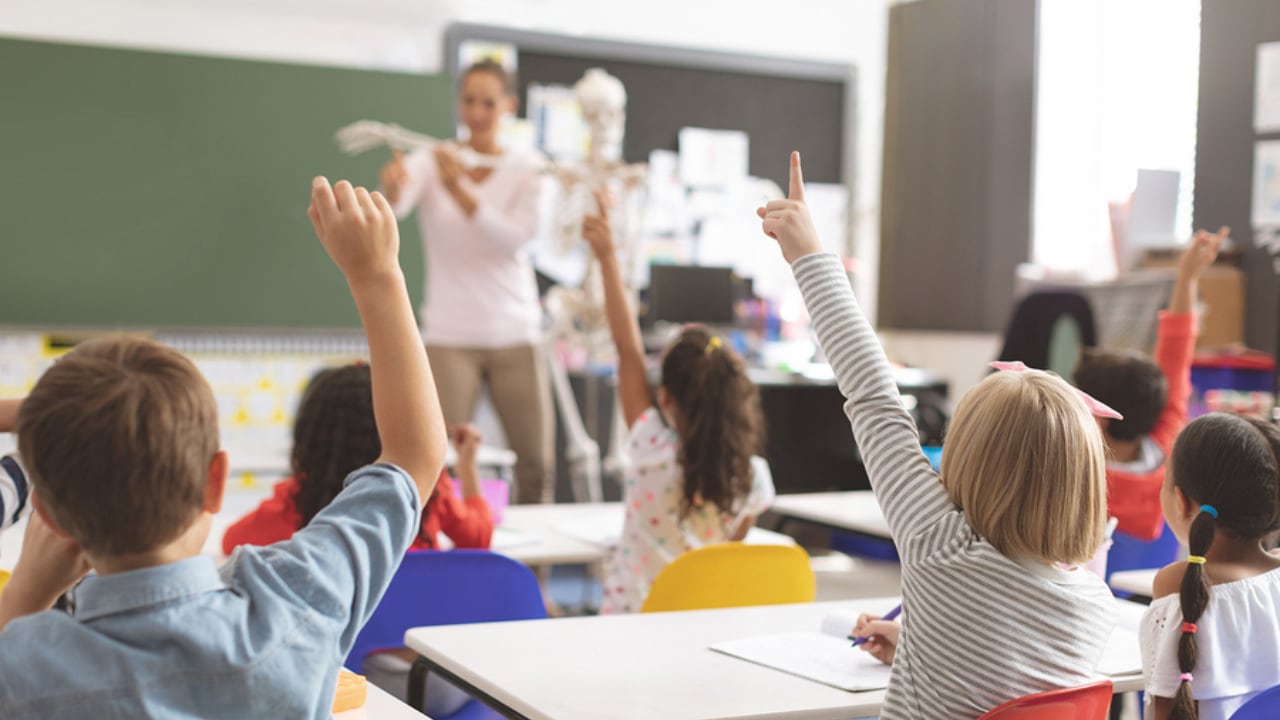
<point>596,229</point>
<point>357,229</point>
<point>788,221</point>
<point>1199,255</point>
<point>1202,252</point>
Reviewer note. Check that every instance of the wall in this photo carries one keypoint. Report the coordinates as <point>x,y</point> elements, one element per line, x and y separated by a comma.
<point>1230,33</point>
<point>406,36</point>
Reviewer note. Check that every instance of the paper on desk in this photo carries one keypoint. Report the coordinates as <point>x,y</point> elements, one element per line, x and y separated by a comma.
<point>814,656</point>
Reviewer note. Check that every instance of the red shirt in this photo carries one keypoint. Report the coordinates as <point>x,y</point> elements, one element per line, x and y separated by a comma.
<point>1134,498</point>
<point>467,522</point>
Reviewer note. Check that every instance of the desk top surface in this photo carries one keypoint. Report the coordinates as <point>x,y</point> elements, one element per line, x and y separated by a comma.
<point>854,510</point>
<point>1138,582</point>
<point>380,705</point>
<point>656,665</point>
<point>567,533</point>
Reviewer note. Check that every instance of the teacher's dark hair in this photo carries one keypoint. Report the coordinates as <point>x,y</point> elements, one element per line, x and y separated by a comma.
<point>494,68</point>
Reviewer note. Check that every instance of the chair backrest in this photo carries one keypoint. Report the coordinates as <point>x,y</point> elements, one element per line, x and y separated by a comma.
<point>733,575</point>
<point>1035,328</point>
<point>448,588</point>
<point>1087,702</point>
<point>1264,706</point>
<point>1129,553</point>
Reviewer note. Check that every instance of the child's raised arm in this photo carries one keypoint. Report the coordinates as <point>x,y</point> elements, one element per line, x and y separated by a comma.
<point>633,382</point>
<point>1197,258</point>
<point>887,438</point>
<point>358,230</point>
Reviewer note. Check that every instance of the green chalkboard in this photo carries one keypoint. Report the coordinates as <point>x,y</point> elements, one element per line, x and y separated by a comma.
<point>150,189</point>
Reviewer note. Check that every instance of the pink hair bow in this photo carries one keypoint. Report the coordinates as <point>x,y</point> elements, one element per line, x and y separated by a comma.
<point>1097,408</point>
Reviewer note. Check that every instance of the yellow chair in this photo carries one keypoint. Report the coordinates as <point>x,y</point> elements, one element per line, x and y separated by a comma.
<point>733,575</point>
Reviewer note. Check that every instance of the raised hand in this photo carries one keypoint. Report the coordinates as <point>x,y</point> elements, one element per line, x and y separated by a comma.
<point>788,221</point>
<point>394,176</point>
<point>596,229</point>
<point>1202,252</point>
<point>466,440</point>
<point>357,229</point>
<point>1197,258</point>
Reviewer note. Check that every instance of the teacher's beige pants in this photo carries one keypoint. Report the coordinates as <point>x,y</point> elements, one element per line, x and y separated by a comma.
<point>520,390</point>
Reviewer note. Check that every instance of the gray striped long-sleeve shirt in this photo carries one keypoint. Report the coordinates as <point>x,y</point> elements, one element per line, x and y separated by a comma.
<point>979,628</point>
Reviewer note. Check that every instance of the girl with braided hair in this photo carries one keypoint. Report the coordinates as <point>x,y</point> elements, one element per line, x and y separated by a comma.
<point>1211,638</point>
<point>692,478</point>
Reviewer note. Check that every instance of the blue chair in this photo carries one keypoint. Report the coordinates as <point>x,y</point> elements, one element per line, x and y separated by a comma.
<point>1264,706</point>
<point>449,588</point>
<point>1130,553</point>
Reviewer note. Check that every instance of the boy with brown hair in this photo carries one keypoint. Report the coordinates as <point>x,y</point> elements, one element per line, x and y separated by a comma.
<point>120,439</point>
<point>1151,394</point>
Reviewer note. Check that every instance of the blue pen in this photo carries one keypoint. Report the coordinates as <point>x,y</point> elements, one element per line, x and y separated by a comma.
<point>893,614</point>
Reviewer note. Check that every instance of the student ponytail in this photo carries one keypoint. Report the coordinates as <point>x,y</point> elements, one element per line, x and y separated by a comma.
<point>1231,465</point>
<point>718,420</point>
<point>1193,597</point>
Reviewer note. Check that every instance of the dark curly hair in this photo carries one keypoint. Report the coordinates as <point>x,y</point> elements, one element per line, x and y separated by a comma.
<point>334,434</point>
<point>719,419</point>
<point>1129,382</point>
<point>1231,463</point>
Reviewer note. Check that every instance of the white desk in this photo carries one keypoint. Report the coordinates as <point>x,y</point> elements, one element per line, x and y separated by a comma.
<point>381,706</point>
<point>1137,582</point>
<point>576,533</point>
<point>654,665</point>
<point>853,511</point>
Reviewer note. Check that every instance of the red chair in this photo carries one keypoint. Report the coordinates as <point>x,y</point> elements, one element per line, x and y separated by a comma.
<point>1087,702</point>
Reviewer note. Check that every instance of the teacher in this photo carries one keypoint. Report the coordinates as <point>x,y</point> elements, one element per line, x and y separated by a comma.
<point>481,319</point>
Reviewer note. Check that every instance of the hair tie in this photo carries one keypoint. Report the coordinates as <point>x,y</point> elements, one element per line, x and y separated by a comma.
<point>713,343</point>
<point>1098,409</point>
<point>1210,509</point>
<point>1185,677</point>
<point>1189,627</point>
<point>1195,559</point>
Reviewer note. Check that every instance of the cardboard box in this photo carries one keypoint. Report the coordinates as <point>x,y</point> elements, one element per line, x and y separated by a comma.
<point>1221,300</point>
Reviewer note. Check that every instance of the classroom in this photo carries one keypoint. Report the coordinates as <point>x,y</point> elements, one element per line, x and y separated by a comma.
<point>566,360</point>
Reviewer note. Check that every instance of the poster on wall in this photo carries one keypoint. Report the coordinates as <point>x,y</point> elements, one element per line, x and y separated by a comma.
<point>1266,184</point>
<point>1266,89</point>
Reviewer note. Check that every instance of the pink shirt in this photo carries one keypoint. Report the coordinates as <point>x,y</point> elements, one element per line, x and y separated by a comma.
<point>480,288</point>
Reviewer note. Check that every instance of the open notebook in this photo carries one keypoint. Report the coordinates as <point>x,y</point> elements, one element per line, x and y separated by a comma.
<point>829,658</point>
<point>826,656</point>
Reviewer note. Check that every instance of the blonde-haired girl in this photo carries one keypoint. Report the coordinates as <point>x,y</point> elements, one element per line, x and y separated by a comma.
<point>995,603</point>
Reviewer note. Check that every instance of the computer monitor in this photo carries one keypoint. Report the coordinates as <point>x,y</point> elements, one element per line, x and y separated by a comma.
<point>691,293</point>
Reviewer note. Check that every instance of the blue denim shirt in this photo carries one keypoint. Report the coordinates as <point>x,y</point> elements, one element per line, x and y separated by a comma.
<point>261,638</point>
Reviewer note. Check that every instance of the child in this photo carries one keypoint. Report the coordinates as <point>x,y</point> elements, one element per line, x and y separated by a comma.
<point>988,613</point>
<point>120,438</point>
<point>1210,637</point>
<point>692,479</point>
<point>1136,386</point>
<point>335,434</point>
<point>1152,396</point>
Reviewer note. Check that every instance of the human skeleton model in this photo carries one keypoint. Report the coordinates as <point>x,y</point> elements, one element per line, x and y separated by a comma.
<point>577,314</point>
